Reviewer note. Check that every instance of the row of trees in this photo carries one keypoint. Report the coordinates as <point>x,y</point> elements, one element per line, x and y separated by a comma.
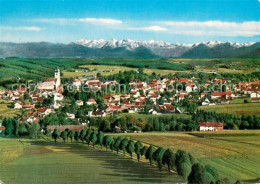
<point>13,128</point>
<point>231,121</point>
<point>181,161</point>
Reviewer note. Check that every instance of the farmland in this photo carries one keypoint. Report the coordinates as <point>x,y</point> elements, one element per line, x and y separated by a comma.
<point>145,117</point>
<point>235,154</point>
<point>6,109</point>
<point>112,70</point>
<point>13,68</point>
<point>30,161</point>
<point>239,109</point>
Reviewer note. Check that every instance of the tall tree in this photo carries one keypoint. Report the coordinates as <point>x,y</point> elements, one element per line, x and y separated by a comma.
<point>149,154</point>
<point>183,163</point>
<point>168,159</point>
<point>87,136</point>
<point>124,144</point>
<point>157,156</point>
<point>76,136</point>
<point>82,134</point>
<point>64,135</point>
<point>144,150</point>
<point>71,135</point>
<point>34,130</point>
<point>93,138</point>
<point>107,141</point>
<point>117,144</point>
<point>100,138</point>
<point>55,134</point>
<point>138,149</point>
<point>130,148</point>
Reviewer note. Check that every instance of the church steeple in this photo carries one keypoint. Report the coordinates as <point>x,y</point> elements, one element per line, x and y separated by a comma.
<point>57,76</point>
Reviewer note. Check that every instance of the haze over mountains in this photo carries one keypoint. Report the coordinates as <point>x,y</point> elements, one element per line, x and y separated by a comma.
<point>129,48</point>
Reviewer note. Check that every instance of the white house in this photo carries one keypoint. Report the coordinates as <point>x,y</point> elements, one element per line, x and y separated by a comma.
<point>91,101</point>
<point>77,83</point>
<point>79,102</point>
<point>18,105</point>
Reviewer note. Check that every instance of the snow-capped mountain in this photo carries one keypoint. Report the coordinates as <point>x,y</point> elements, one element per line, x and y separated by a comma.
<point>127,43</point>
<point>132,44</point>
<point>130,48</point>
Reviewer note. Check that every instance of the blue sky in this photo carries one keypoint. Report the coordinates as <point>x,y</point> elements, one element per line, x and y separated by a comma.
<point>182,21</point>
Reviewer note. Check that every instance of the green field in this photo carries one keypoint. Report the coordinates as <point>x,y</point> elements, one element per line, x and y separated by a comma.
<point>6,109</point>
<point>114,70</point>
<point>38,69</point>
<point>235,155</point>
<point>145,117</point>
<point>239,109</point>
<point>231,65</point>
<point>13,68</point>
<point>29,161</point>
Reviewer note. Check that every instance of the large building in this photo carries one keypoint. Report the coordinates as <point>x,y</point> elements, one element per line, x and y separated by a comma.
<point>211,126</point>
<point>51,84</point>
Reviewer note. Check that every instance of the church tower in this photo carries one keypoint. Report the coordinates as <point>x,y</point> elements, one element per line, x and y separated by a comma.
<point>57,76</point>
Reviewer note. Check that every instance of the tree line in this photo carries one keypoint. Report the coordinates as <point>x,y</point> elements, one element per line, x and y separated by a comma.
<point>181,161</point>
<point>231,121</point>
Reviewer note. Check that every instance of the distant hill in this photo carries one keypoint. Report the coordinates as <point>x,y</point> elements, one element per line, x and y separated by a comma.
<point>128,49</point>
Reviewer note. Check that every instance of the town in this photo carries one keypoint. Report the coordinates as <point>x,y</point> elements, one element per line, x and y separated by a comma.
<point>110,97</point>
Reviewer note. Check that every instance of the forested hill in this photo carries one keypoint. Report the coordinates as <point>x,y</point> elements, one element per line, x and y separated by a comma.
<point>76,50</point>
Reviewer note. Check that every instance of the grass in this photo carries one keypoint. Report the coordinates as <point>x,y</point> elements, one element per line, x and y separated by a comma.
<point>239,109</point>
<point>6,109</point>
<point>37,69</point>
<point>47,162</point>
<point>145,117</point>
<point>239,100</point>
<point>114,70</point>
<point>13,68</point>
<point>235,157</point>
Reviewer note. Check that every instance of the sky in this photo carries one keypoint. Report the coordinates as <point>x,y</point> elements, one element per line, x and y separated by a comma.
<point>173,21</point>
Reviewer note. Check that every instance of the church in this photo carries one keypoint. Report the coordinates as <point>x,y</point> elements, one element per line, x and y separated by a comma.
<point>51,84</point>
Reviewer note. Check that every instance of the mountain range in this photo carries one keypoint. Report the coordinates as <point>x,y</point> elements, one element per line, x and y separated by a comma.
<point>127,48</point>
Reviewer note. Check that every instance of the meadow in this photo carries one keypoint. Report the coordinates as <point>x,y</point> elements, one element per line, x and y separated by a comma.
<point>113,70</point>
<point>15,68</point>
<point>145,117</point>
<point>7,110</point>
<point>235,157</point>
<point>239,109</point>
<point>38,161</point>
<point>11,69</point>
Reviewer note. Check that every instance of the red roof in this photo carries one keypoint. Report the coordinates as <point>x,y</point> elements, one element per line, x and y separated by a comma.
<point>115,107</point>
<point>183,80</point>
<point>132,92</point>
<point>51,79</point>
<point>106,96</point>
<point>256,99</point>
<point>126,102</point>
<point>221,93</point>
<point>169,107</point>
<point>94,83</point>
<point>28,106</point>
<point>211,124</point>
<point>42,109</point>
<point>92,100</point>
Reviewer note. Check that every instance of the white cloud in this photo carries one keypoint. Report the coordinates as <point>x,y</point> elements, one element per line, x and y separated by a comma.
<point>100,21</point>
<point>149,28</point>
<point>24,28</point>
<point>64,21</point>
<point>246,29</point>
